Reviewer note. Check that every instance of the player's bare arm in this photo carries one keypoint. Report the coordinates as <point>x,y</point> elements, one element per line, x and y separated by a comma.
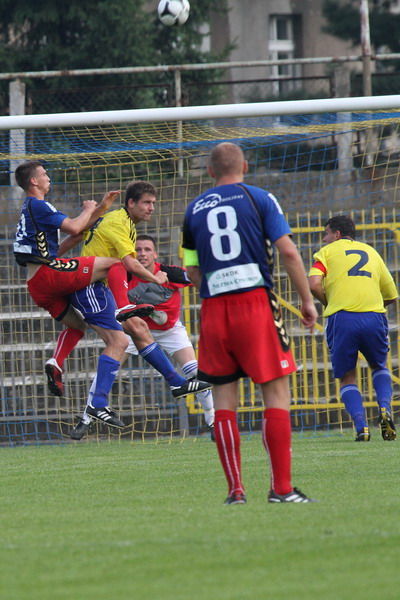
<point>106,202</point>
<point>73,240</point>
<point>295,269</point>
<point>79,223</point>
<point>387,302</point>
<point>133,266</point>
<point>317,288</point>
<point>194,274</point>
<point>68,243</point>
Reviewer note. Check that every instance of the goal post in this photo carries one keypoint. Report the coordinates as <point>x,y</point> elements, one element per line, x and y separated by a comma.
<point>318,157</point>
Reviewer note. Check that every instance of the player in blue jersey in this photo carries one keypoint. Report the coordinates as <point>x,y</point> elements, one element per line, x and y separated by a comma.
<point>228,235</point>
<point>353,283</point>
<point>94,302</point>
<point>51,279</point>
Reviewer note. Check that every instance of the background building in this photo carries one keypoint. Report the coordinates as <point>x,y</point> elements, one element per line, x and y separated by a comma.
<point>276,30</point>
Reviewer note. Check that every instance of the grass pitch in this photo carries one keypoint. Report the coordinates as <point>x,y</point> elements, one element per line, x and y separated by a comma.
<point>147,522</point>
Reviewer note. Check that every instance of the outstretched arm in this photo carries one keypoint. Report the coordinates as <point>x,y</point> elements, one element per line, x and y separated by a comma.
<point>295,269</point>
<point>105,205</point>
<point>74,239</point>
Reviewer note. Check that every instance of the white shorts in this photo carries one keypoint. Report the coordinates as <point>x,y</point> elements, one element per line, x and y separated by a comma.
<point>170,340</point>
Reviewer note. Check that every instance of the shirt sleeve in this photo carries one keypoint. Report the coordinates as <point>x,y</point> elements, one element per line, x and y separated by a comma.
<point>47,216</point>
<point>318,268</point>
<point>387,285</point>
<point>177,276</point>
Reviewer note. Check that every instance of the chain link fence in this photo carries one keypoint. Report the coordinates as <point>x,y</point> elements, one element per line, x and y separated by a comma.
<point>157,90</point>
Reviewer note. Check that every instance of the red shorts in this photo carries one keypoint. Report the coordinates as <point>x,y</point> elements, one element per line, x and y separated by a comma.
<point>51,284</point>
<point>242,335</point>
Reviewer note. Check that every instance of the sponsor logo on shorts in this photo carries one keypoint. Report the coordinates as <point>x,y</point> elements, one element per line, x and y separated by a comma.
<point>64,265</point>
<point>280,327</point>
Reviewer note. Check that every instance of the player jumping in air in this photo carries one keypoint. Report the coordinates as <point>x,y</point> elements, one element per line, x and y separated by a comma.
<point>51,279</point>
<point>115,235</point>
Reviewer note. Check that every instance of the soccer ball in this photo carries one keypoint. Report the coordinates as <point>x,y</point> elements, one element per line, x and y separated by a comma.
<point>173,12</point>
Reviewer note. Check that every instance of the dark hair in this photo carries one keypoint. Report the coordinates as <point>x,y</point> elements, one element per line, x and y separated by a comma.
<point>136,189</point>
<point>144,236</point>
<point>343,224</point>
<point>24,173</point>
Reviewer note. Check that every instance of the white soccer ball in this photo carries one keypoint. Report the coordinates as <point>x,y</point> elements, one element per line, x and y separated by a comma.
<point>173,12</point>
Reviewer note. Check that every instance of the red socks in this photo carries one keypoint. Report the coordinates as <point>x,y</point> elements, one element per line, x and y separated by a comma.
<point>67,340</point>
<point>227,438</point>
<point>118,284</point>
<point>276,432</point>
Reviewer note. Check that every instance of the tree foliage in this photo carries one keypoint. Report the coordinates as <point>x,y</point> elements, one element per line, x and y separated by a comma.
<point>343,19</point>
<point>88,34</point>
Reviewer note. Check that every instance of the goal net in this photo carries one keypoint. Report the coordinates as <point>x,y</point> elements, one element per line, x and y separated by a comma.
<point>317,157</point>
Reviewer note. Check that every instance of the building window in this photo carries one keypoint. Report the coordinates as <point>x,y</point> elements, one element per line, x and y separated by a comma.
<point>282,46</point>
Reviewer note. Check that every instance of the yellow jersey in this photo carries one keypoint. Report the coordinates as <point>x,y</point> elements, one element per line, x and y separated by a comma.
<point>355,277</point>
<point>113,235</point>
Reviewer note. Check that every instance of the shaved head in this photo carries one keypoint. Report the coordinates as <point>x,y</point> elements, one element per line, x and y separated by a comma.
<point>227,159</point>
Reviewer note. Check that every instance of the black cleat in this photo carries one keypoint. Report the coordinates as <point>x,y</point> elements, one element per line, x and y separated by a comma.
<point>80,429</point>
<point>54,377</point>
<point>212,432</point>
<point>192,386</point>
<point>363,435</point>
<point>236,498</point>
<point>105,415</point>
<point>388,429</point>
<point>133,310</point>
<point>295,496</point>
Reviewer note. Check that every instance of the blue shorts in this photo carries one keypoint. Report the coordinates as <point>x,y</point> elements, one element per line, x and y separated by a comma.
<point>348,333</point>
<point>97,305</point>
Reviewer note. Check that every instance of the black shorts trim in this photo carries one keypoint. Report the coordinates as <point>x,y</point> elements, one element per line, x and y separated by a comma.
<point>220,379</point>
<point>64,312</point>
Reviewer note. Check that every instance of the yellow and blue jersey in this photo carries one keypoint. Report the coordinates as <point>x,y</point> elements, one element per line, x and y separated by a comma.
<point>113,235</point>
<point>355,277</point>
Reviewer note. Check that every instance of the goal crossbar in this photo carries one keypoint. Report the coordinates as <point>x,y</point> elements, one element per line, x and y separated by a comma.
<point>192,113</point>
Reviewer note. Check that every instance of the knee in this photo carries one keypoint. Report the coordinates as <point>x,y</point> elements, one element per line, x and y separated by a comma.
<point>136,328</point>
<point>121,342</point>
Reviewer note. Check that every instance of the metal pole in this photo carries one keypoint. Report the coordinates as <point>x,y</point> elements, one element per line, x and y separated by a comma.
<point>17,136</point>
<point>178,102</point>
<point>366,47</point>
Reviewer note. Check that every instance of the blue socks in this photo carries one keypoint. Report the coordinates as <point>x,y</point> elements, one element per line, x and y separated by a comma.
<point>382,382</point>
<point>352,399</point>
<point>107,369</point>
<point>157,359</point>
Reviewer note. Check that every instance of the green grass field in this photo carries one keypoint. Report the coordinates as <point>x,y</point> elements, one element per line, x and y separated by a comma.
<point>147,522</point>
